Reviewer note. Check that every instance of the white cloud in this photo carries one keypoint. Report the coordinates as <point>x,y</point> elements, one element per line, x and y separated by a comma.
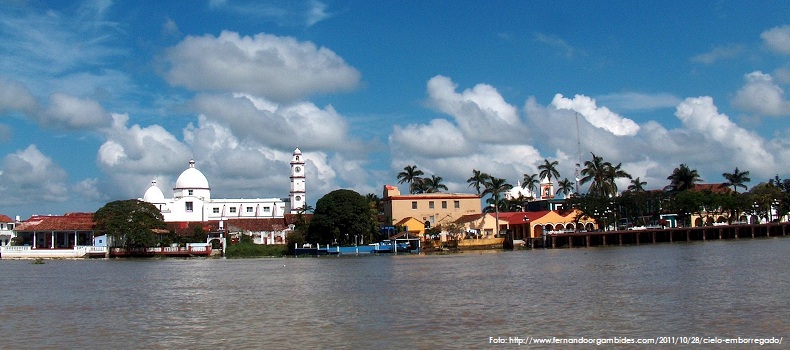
<point>599,117</point>
<point>481,113</point>
<point>558,43</point>
<point>778,39</point>
<point>14,96</point>
<point>29,176</point>
<point>278,68</point>
<point>89,190</point>
<point>438,139</point>
<point>132,156</point>
<point>701,115</point>
<point>74,113</point>
<point>718,53</point>
<point>283,126</point>
<point>637,101</point>
<point>762,96</point>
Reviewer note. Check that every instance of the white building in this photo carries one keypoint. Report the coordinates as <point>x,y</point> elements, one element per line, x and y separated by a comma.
<point>192,198</point>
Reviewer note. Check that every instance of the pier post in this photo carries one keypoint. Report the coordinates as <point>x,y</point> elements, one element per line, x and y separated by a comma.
<point>604,239</point>
<point>688,235</point>
<point>637,238</point>
<point>587,238</point>
<point>654,236</point>
<point>553,242</point>
<point>620,238</point>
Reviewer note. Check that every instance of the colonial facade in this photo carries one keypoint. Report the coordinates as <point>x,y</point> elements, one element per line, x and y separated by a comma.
<point>433,208</point>
<point>192,202</point>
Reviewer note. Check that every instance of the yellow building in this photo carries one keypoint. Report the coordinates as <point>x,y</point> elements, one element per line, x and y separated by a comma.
<point>411,225</point>
<point>434,208</point>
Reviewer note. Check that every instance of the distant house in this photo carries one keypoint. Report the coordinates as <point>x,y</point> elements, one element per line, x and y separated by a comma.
<point>6,230</point>
<point>536,224</point>
<point>412,226</point>
<point>435,208</point>
<point>63,236</point>
<point>483,224</point>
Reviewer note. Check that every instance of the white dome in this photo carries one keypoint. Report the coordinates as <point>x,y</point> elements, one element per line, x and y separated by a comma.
<point>191,179</point>
<point>154,194</point>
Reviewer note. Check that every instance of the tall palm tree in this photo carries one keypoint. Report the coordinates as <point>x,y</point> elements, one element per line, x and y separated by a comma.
<point>565,186</point>
<point>530,182</point>
<point>496,186</point>
<point>683,178</point>
<point>434,184</point>
<point>409,175</point>
<point>477,180</point>
<point>549,169</point>
<point>602,175</point>
<point>420,185</point>
<point>737,179</point>
<point>637,185</point>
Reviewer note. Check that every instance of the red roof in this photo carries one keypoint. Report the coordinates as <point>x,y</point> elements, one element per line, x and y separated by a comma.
<point>716,188</point>
<point>258,225</point>
<point>67,222</point>
<point>519,216</point>
<point>5,218</point>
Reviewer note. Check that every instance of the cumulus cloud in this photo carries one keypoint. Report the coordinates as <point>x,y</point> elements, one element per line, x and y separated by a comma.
<point>15,96</point>
<point>762,96</point>
<point>29,176</point>
<point>702,116</point>
<point>599,117</point>
<point>278,68</point>
<point>74,113</point>
<point>778,39</point>
<point>481,112</point>
<point>637,101</point>
<point>132,155</point>
<point>439,138</point>
<point>278,125</point>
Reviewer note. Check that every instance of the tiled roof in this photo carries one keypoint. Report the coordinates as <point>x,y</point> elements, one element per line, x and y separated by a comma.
<point>717,188</point>
<point>5,218</point>
<point>469,218</point>
<point>67,222</point>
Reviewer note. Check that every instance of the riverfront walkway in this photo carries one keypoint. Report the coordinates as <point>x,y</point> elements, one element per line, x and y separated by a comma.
<point>658,235</point>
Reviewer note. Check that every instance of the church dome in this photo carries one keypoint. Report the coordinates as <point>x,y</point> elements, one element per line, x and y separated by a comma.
<point>154,194</point>
<point>191,179</point>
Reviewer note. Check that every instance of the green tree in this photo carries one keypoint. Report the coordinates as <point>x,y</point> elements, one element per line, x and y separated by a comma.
<point>602,176</point>
<point>410,175</point>
<point>683,178</point>
<point>737,179</point>
<point>565,186</point>
<point>342,217</point>
<point>434,184</point>
<point>637,185</point>
<point>477,180</point>
<point>130,223</point>
<point>530,182</point>
<point>496,186</point>
<point>549,169</point>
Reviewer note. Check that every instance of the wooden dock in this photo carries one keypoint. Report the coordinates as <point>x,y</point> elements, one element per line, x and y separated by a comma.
<point>162,251</point>
<point>658,235</point>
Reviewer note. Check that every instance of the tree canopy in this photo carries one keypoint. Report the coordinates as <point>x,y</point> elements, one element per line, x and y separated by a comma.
<point>342,217</point>
<point>130,223</point>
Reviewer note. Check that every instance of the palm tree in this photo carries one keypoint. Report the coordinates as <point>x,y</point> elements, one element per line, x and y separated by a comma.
<point>683,178</point>
<point>410,174</point>
<point>420,185</point>
<point>549,169</point>
<point>737,179</point>
<point>637,185</point>
<point>477,180</point>
<point>565,186</point>
<point>496,186</point>
<point>530,182</point>
<point>434,184</point>
<point>602,176</point>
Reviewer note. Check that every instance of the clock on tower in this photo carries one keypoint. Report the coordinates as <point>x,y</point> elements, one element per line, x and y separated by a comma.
<point>297,182</point>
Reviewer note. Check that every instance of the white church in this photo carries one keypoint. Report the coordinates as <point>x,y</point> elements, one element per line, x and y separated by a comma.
<point>192,200</point>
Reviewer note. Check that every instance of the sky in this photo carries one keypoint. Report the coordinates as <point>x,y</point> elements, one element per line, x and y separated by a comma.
<point>98,98</point>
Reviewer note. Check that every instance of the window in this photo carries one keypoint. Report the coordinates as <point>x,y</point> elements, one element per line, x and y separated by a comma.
<point>233,209</point>
<point>266,209</point>
<point>215,210</point>
<point>457,204</point>
<point>444,204</point>
<point>413,205</point>
<point>189,207</point>
<point>249,209</point>
<point>430,205</point>
<point>190,192</point>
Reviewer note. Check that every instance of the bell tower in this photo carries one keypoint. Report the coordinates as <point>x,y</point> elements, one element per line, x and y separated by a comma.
<point>297,182</point>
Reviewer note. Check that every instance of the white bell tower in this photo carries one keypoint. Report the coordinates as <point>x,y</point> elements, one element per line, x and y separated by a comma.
<point>297,182</point>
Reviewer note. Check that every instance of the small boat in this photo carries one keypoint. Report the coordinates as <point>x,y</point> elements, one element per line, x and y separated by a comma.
<point>390,247</point>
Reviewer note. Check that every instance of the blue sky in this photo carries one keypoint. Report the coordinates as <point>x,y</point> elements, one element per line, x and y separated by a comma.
<point>98,98</point>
